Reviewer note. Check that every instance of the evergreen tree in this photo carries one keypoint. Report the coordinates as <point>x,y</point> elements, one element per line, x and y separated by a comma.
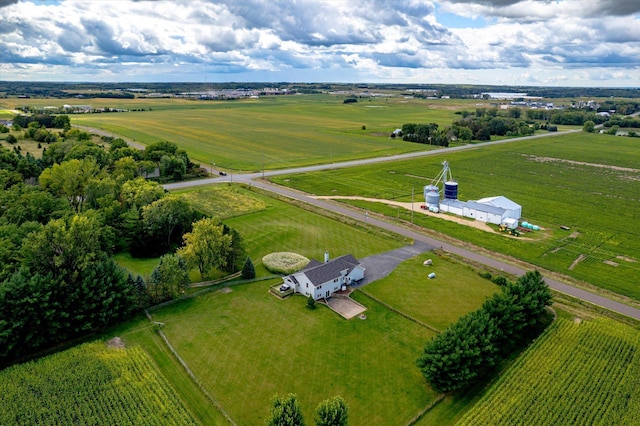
<point>248,270</point>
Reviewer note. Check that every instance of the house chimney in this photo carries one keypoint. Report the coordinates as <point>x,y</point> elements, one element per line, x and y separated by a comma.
<point>326,256</point>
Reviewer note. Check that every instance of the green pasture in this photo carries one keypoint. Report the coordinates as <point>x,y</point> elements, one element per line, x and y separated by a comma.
<point>6,114</point>
<point>436,301</point>
<point>246,345</point>
<point>585,372</point>
<point>271,132</point>
<point>140,266</point>
<point>25,145</point>
<point>587,182</point>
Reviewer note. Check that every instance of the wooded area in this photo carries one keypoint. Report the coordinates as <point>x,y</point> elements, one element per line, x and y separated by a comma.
<point>64,215</point>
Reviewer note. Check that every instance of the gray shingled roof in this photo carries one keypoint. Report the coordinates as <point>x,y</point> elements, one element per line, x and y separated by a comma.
<point>319,273</point>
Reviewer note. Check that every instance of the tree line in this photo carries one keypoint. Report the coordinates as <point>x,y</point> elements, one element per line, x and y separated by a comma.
<point>471,347</point>
<point>483,123</point>
<point>63,216</point>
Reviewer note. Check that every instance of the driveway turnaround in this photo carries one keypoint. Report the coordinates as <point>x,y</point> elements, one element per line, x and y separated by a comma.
<point>380,265</point>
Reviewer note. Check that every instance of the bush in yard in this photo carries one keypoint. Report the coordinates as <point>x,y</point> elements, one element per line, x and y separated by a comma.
<point>284,262</point>
<point>311,302</point>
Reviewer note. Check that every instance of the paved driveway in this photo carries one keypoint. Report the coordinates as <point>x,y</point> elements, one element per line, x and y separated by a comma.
<point>380,265</point>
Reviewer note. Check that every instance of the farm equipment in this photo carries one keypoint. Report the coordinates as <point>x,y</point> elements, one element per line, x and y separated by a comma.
<point>511,231</point>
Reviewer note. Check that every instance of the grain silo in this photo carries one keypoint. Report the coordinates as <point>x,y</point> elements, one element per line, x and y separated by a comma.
<point>432,195</point>
<point>451,190</point>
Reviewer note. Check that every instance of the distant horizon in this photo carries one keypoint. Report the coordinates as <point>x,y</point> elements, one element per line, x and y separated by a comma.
<point>141,83</point>
<point>542,43</point>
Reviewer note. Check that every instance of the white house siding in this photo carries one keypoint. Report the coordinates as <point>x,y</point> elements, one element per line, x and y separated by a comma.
<point>357,274</point>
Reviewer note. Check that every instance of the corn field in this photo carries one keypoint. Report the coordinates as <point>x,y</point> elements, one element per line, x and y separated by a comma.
<point>577,373</point>
<point>88,385</point>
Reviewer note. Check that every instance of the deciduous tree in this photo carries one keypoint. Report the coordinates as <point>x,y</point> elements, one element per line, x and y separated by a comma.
<point>332,412</point>
<point>165,221</point>
<point>169,279</point>
<point>206,246</point>
<point>69,180</point>
<point>285,411</point>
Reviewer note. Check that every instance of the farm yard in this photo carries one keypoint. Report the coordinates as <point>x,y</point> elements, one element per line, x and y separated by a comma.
<point>244,345</point>
<point>575,180</point>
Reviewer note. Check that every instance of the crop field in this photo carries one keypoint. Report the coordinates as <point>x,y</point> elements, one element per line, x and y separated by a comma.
<point>578,372</point>
<point>270,132</point>
<point>590,183</point>
<point>245,346</point>
<point>436,301</point>
<point>90,384</point>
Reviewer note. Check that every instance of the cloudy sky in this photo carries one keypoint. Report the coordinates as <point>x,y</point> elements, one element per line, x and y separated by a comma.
<point>513,42</point>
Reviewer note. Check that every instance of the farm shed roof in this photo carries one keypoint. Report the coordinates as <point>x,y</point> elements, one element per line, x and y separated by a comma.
<point>500,201</point>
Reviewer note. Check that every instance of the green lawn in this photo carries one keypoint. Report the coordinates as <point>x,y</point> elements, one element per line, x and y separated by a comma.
<point>246,345</point>
<point>437,301</point>
<point>587,182</point>
<point>140,266</point>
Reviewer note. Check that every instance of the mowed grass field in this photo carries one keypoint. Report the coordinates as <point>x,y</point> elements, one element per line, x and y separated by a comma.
<point>436,301</point>
<point>590,183</point>
<point>577,372</point>
<point>245,346</point>
<point>272,132</point>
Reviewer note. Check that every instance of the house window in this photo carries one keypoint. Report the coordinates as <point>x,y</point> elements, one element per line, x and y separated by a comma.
<point>307,285</point>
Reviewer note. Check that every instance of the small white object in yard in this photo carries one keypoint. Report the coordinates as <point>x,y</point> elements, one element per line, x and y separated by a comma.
<point>362,316</point>
<point>427,262</point>
<point>432,275</point>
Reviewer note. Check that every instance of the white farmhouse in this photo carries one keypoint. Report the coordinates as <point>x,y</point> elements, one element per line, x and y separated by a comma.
<point>321,280</point>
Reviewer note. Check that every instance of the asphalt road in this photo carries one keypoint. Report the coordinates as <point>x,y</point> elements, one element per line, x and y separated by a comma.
<point>253,180</point>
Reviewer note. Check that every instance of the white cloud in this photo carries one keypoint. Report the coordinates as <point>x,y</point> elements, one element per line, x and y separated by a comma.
<point>365,39</point>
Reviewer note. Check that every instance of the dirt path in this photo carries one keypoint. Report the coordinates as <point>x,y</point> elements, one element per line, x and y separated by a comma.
<point>473,223</point>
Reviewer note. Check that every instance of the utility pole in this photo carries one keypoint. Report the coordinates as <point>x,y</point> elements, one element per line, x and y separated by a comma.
<point>412,205</point>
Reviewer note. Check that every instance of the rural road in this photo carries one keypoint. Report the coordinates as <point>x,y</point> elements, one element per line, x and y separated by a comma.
<point>253,180</point>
